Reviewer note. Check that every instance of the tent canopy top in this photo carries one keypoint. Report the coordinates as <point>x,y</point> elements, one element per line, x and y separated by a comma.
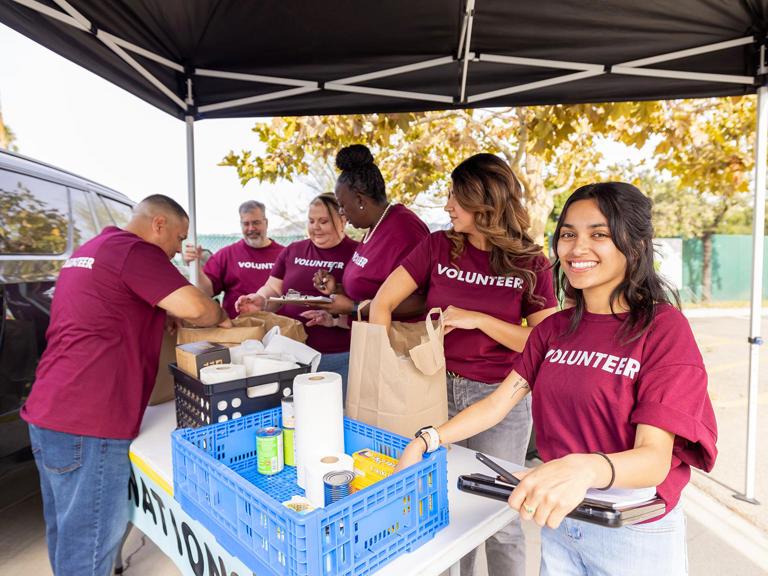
<point>224,58</point>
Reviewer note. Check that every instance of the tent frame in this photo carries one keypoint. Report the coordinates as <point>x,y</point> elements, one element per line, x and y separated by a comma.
<point>121,48</point>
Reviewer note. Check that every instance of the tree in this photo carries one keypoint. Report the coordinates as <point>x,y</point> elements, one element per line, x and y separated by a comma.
<point>29,226</point>
<point>707,146</point>
<point>551,148</point>
<point>7,137</point>
<point>704,147</point>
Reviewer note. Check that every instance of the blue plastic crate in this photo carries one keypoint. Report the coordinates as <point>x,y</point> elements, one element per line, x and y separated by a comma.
<point>215,480</point>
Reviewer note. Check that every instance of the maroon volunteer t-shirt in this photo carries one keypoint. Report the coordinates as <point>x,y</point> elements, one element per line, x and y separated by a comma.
<point>469,283</point>
<point>98,370</point>
<point>590,392</point>
<point>238,269</point>
<point>296,266</point>
<point>397,234</point>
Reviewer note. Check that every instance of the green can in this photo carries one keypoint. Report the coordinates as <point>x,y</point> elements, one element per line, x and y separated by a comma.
<point>290,456</point>
<point>269,450</point>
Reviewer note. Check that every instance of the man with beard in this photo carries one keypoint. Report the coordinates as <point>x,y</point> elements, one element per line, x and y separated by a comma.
<point>240,268</point>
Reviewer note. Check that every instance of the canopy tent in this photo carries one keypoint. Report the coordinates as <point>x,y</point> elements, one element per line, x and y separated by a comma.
<point>298,57</point>
<point>227,58</point>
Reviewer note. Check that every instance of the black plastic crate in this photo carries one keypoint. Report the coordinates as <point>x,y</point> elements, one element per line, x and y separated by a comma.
<point>199,404</point>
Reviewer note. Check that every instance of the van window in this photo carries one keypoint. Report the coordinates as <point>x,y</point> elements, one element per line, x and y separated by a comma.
<point>102,214</point>
<point>34,215</point>
<point>121,213</point>
<point>83,226</point>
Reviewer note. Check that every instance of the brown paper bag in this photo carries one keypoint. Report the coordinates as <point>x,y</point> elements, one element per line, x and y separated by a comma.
<point>397,381</point>
<point>244,329</point>
<point>289,327</point>
<point>163,390</point>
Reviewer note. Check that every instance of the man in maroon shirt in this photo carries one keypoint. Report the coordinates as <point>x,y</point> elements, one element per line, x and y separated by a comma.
<point>96,375</point>
<point>240,268</point>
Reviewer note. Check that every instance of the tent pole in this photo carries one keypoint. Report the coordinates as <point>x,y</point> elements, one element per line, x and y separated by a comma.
<point>190,126</point>
<point>192,236</point>
<point>755,340</point>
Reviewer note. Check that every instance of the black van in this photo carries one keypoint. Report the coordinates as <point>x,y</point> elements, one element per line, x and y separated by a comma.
<point>45,214</point>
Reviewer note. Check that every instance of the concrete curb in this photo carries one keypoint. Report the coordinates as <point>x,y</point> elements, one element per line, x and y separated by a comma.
<point>738,533</point>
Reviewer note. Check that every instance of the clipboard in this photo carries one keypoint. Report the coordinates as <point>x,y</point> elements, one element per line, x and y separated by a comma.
<point>588,511</point>
<point>300,299</point>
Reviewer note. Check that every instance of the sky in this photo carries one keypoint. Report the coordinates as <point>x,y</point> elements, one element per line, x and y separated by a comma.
<point>66,116</point>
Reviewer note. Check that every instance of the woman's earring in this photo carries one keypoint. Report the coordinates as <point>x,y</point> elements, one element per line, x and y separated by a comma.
<point>361,206</point>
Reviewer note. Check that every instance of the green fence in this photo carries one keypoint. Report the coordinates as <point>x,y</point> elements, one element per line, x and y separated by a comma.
<point>731,268</point>
<point>731,264</point>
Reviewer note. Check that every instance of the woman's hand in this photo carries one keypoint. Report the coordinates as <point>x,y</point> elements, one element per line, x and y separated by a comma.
<point>454,317</point>
<point>342,304</point>
<point>551,490</point>
<point>319,318</point>
<point>412,454</point>
<point>324,282</point>
<point>250,303</point>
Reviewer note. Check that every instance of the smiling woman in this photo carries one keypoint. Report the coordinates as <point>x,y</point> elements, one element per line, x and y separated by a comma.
<point>593,262</point>
<point>327,248</point>
<point>488,275</point>
<point>619,395</point>
<point>604,244</point>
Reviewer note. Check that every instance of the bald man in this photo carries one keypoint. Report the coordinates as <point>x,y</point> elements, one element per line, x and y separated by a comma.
<point>95,377</point>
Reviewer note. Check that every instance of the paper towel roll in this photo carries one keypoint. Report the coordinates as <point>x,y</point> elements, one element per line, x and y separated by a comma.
<point>256,365</point>
<point>236,353</point>
<point>319,418</point>
<point>319,467</point>
<point>221,373</point>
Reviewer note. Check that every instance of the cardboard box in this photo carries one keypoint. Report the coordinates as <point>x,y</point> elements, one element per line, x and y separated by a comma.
<point>194,356</point>
<point>163,390</point>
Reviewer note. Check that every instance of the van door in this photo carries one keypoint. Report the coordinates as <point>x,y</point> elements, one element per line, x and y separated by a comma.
<point>35,238</point>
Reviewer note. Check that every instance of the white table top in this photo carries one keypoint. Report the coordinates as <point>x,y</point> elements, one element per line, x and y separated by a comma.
<point>472,518</point>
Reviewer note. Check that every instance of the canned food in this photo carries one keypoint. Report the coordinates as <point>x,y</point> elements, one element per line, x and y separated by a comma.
<point>269,450</point>
<point>288,412</point>
<point>337,485</point>
<point>289,447</point>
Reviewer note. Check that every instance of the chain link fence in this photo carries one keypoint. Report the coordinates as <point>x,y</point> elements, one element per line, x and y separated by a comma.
<point>215,242</point>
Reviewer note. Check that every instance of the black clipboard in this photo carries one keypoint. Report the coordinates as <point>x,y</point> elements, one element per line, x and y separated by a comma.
<point>588,511</point>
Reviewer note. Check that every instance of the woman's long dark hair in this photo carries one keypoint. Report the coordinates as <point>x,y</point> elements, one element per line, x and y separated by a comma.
<point>628,213</point>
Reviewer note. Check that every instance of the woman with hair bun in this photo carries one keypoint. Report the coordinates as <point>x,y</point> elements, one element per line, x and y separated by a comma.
<point>487,274</point>
<point>393,231</point>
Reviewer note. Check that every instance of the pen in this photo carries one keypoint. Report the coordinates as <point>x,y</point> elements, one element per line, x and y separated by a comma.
<point>506,476</point>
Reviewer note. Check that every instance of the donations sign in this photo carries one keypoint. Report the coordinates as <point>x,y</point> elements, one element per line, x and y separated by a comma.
<point>185,541</point>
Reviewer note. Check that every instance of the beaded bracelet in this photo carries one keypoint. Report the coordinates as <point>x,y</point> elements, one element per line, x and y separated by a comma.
<point>613,470</point>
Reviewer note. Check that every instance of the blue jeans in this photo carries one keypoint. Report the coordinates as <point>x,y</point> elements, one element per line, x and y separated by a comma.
<point>579,548</point>
<point>508,440</point>
<point>338,363</point>
<point>83,482</point>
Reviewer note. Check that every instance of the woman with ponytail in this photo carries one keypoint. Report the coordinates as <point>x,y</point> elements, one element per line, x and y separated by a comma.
<point>488,275</point>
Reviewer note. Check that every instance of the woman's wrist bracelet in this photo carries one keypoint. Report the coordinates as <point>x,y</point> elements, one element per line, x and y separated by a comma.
<point>613,470</point>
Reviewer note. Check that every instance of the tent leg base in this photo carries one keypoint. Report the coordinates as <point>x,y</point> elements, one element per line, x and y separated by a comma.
<point>744,498</point>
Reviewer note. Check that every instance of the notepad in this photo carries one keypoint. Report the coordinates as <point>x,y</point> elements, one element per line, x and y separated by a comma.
<point>619,497</point>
